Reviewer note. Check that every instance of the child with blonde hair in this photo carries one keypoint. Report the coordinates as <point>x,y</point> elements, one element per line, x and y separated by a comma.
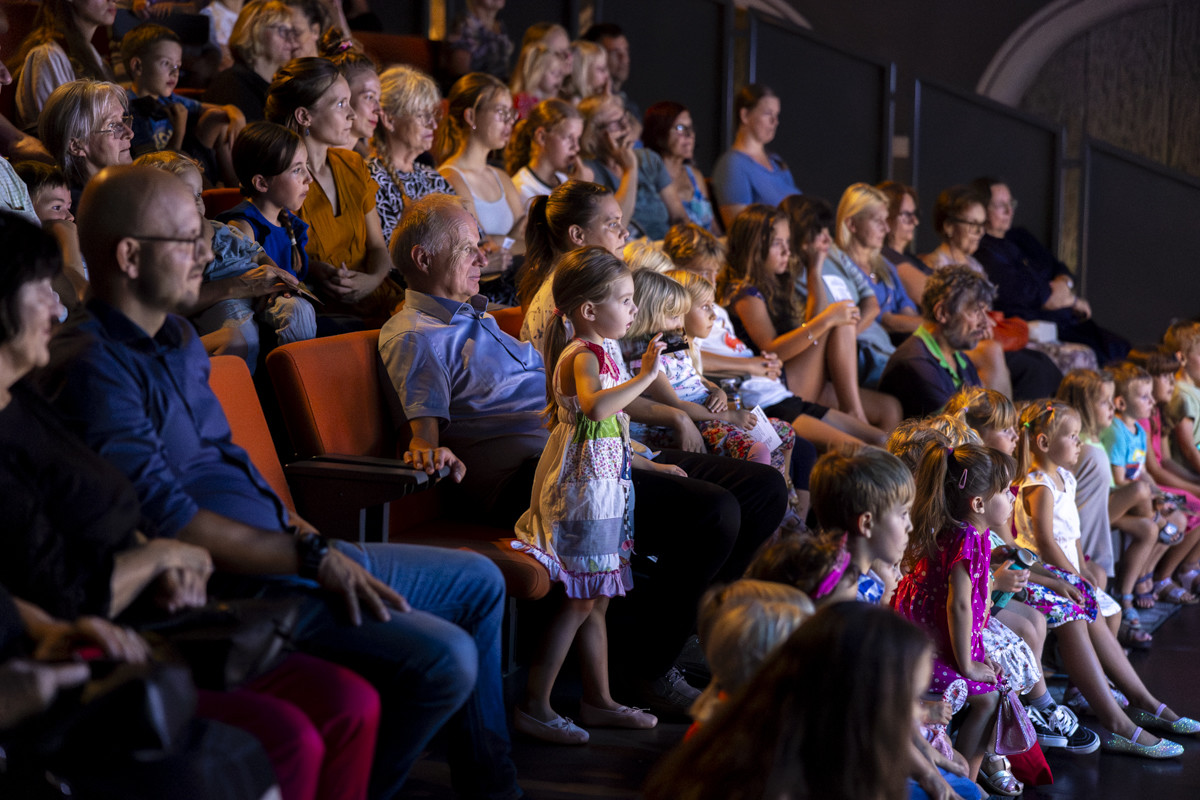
<point>643,254</point>
<point>1183,411</point>
<point>580,521</point>
<point>1047,522</point>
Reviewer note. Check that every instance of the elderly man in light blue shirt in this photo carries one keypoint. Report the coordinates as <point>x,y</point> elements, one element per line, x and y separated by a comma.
<point>465,387</point>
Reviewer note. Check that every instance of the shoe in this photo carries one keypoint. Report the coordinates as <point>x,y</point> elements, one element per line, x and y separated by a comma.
<point>1001,781</point>
<point>1063,721</point>
<point>1182,726</point>
<point>559,730</point>
<point>1116,743</point>
<point>671,694</point>
<point>1074,699</point>
<point>1133,636</point>
<point>1046,736</point>
<point>621,717</point>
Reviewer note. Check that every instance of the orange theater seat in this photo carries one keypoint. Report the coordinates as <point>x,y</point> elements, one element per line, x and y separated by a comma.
<point>332,402</point>
<point>219,200</point>
<point>510,320</point>
<point>390,48</point>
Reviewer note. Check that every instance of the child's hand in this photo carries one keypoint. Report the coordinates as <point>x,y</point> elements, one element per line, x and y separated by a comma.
<point>650,363</point>
<point>981,672</point>
<point>772,366</point>
<point>718,401</point>
<point>178,114</point>
<point>1070,592</point>
<point>266,280</point>
<point>843,312</point>
<point>742,418</point>
<point>937,712</point>
<point>1009,580</point>
<point>668,469</point>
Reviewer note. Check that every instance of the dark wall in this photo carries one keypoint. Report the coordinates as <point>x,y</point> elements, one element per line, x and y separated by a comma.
<point>960,136</point>
<point>835,126</point>
<point>1140,241</point>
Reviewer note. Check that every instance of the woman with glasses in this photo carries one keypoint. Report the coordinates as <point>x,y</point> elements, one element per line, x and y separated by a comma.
<point>902,228</point>
<point>748,172</point>
<point>410,109</point>
<point>348,257</point>
<point>638,177</point>
<point>58,50</point>
<point>86,126</point>
<point>480,121</point>
<point>667,130</point>
<point>262,41</point>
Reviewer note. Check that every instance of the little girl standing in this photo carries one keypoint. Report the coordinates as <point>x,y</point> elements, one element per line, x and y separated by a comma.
<point>946,592</point>
<point>1048,522</point>
<point>580,521</point>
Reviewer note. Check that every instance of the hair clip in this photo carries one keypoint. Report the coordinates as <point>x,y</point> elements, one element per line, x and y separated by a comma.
<point>344,46</point>
<point>830,581</point>
<point>962,481</point>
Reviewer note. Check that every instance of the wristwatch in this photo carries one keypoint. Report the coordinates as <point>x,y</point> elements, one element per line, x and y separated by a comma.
<point>312,549</point>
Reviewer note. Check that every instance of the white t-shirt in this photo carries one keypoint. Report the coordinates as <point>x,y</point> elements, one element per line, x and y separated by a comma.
<point>530,185</point>
<point>221,19</point>
<point>755,391</point>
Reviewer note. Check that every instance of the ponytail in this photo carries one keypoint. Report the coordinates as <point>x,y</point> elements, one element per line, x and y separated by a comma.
<point>547,231</point>
<point>517,152</point>
<point>1040,416</point>
<point>947,478</point>
<point>539,252</point>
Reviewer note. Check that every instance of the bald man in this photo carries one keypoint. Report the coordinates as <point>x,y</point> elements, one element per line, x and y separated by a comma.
<point>131,377</point>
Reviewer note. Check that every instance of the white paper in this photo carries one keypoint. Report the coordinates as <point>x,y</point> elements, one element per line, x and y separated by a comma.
<point>837,288</point>
<point>763,431</point>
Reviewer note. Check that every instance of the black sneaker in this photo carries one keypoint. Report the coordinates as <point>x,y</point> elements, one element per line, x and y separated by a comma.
<point>1047,736</point>
<point>1079,739</point>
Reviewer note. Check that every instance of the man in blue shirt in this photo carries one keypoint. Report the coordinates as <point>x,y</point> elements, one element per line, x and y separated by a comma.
<point>133,381</point>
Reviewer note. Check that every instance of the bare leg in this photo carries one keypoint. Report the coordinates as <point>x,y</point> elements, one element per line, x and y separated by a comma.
<point>1184,552</point>
<point>805,372</point>
<point>552,653</point>
<point>1116,664</point>
<point>1083,665</point>
<point>841,358</point>
<point>883,410</point>
<point>975,732</point>
<point>988,358</point>
<point>834,430</point>
<point>593,657</point>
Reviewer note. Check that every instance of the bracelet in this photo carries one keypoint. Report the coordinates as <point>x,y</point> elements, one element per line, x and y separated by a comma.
<point>804,327</point>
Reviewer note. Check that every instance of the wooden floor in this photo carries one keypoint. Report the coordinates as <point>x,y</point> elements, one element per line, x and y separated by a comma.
<point>614,764</point>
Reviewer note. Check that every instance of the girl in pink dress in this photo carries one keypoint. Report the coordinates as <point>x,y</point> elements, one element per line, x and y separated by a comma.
<point>945,591</point>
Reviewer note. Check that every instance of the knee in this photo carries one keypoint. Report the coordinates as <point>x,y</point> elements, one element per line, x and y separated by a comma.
<point>454,672</point>
<point>984,703</point>
<point>992,354</point>
<point>1142,491</point>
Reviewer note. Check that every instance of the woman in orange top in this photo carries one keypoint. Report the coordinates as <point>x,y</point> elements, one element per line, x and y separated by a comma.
<point>348,257</point>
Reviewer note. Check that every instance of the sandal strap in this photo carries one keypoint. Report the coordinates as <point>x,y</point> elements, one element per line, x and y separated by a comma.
<point>1136,733</point>
<point>1161,707</point>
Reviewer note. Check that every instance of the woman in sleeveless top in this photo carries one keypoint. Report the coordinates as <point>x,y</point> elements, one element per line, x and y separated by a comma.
<point>667,130</point>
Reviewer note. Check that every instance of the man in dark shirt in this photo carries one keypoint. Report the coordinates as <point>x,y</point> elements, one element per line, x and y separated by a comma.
<point>929,366</point>
<point>133,382</point>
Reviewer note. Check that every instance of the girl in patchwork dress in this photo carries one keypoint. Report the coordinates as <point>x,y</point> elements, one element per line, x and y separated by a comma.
<point>946,591</point>
<point>580,521</point>
<point>1047,521</point>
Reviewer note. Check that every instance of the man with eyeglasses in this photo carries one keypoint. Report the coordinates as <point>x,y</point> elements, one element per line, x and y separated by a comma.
<point>131,379</point>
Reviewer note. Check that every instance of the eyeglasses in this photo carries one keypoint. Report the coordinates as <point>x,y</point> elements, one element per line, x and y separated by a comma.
<point>285,31</point>
<point>910,217</point>
<point>505,113</point>
<point>684,130</point>
<point>429,119</point>
<point>197,242</point>
<point>970,224</point>
<point>1010,206</point>
<point>117,128</point>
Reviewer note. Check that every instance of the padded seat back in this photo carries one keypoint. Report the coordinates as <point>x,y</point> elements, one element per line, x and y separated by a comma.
<point>331,398</point>
<point>390,48</point>
<point>231,383</point>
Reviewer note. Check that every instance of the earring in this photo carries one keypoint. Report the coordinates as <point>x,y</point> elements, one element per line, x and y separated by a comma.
<point>307,131</point>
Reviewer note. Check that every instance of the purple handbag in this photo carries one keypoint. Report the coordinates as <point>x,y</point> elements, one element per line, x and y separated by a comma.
<point>1014,730</point>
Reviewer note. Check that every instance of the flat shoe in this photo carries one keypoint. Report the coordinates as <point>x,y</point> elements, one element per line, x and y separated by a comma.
<point>1116,743</point>
<point>559,730</point>
<point>621,717</point>
<point>1181,727</point>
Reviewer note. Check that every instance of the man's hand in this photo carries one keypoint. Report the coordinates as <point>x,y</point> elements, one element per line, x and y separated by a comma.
<point>340,574</point>
<point>431,460</point>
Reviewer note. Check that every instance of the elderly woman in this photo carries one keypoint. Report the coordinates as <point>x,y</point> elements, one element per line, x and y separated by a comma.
<point>85,125</point>
<point>652,206</point>
<point>667,130</point>
<point>1003,360</point>
<point>902,228</point>
<point>1032,284</point>
<point>348,257</point>
<point>410,109</point>
<point>748,173</point>
<point>59,50</point>
<point>262,41</point>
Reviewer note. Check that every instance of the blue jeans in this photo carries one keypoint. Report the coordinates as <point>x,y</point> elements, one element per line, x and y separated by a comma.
<point>965,787</point>
<point>439,659</point>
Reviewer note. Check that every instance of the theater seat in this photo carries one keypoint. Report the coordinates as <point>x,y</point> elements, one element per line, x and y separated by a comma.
<point>217,201</point>
<point>390,48</point>
<point>332,403</point>
<point>510,320</point>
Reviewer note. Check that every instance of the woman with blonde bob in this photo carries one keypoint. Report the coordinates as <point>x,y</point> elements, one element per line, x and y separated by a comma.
<point>409,112</point>
<point>262,41</point>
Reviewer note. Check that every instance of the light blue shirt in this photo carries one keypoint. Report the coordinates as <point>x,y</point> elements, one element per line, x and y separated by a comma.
<point>450,361</point>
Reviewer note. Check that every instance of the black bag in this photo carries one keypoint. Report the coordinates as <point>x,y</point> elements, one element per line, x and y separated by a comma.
<point>230,642</point>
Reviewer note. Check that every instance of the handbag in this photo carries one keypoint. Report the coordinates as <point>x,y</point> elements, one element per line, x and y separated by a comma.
<point>1014,730</point>
<point>229,642</point>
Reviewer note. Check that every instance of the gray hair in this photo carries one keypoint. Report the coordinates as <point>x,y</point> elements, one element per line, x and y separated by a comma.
<point>425,223</point>
<point>73,112</point>
<point>955,286</point>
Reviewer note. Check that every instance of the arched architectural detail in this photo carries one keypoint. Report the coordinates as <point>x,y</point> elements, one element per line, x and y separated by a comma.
<point>1019,60</point>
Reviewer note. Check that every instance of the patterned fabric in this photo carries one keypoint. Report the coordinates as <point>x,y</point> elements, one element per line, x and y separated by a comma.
<point>698,207</point>
<point>923,596</point>
<point>1020,665</point>
<point>580,521</point>
<point>491,50</point>
<point>870,588</point>
<point>389,200</point>
<point>1058,609</point>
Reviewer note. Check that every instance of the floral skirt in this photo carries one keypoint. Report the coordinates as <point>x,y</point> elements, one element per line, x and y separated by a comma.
<point>1014,656</point>
<point>726,439</point>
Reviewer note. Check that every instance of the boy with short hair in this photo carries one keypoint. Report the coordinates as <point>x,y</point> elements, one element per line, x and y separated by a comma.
<point>867,494</point>
<point>51,199</point>
<point>1183,339</point>
<point>163,120</point>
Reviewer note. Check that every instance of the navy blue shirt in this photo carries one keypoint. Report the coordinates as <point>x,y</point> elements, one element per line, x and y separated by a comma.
<point>144,403</point>
<point>922,385</point>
